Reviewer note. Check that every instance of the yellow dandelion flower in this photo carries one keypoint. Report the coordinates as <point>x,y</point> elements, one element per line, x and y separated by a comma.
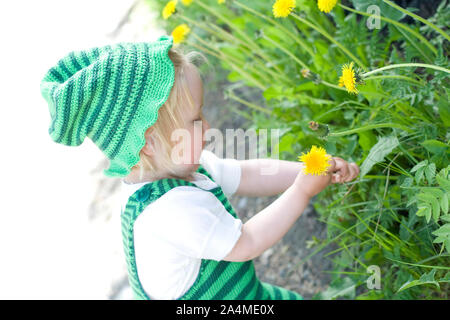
<point>221,1</point>
<point>348,78</point>
<point>326,5</point>
<point>169,9</point>
<point>180,32</point>
<point>186,2</point>
<point>282,8</point>
<point>316,161</point>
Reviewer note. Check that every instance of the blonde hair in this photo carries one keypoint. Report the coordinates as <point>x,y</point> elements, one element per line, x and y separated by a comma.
<point>170,114</point>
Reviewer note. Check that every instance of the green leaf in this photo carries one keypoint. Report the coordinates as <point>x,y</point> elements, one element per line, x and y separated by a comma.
<point>444,203</point>
<point>428,197</point>
<point>286,143</point>
<point>424,210</point>
<point>410,202</point>
<point>444,110</point>
<point>271,93</point>
<point>436,209</point>
<point>404,233</point>
<point>443,236</point>
<point>443,231</point>
<point>426,278</point>
<point>435,146</point>
<point>385,10</point>
<point>330,146</point>
<point>428,213</point>
<point>430,172</point>
<point>366,140</point>
<point>234,76</point>
<point>408,182</point>
<point>444,183</point>
<point>436,192</point>
<point>371,295</point>
<point>339,288</point>
<point>419,174</point>
<point>443,197</point>
<point>445,278</point>
<point>419,165</point>
<point>278,92</point>
<point>381,149</point>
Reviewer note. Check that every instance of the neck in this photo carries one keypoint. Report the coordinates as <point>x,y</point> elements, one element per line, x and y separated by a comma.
<point>133,177</point>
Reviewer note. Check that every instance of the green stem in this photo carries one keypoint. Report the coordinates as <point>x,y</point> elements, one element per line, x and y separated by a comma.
<point>419,265</point>
<point>279,26</point>
<point>398,24</point>
<point>330,38</point>
<point>341,248</point>
<point>341,106</point>
<point>225,36</point>
<point>255,58</point>
<point>317,101</point>
<point>253,44</point>
<point>385,243</point>
<point>223,54</point>
<point>395,77</point>
<point>415,16</point>
<point>408,154</point>
<point>290,54</point>
<point>346,272</point>
<point>405,119</point>
<point>248,104</point>
<point>370,127</point>
<point>241,113</point>
<point>323,245</point>
<point>229,37</point>
<point>354,257</point>
<point>332,85</point>
<point>237,68</point>
<point>407,111</point>
<point>415,45</point>
<point>404,65</point>
<point>220,34</point>
<point>434,257</point>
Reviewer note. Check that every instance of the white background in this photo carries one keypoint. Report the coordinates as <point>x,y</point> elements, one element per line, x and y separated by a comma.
<point>48,247</point>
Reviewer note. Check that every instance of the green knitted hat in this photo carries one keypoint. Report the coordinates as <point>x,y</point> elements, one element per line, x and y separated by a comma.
<point>110,94</point>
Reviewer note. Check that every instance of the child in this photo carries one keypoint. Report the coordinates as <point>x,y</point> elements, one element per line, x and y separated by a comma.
<point>182,238</point>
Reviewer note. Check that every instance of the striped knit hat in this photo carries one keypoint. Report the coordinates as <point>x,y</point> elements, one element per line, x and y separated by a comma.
<point>110,94</point>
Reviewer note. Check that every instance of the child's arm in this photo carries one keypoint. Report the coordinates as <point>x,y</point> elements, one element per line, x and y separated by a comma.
<point>268,226</point>
<point>256,184</point>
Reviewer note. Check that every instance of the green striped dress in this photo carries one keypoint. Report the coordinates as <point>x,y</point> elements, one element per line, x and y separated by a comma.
<point>216,280</point>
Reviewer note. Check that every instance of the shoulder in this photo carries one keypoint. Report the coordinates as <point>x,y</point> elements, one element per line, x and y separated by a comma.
<point>226,172</point>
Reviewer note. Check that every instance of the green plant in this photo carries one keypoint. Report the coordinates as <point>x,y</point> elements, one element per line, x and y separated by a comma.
<point>395,215</point>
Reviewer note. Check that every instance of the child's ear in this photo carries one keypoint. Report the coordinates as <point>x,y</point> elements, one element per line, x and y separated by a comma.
<point>149,147</point>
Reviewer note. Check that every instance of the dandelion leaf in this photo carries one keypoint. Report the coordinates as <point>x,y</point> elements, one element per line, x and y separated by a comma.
<point>426,278</point>
<point>339,288</point>
<point>381,149</point>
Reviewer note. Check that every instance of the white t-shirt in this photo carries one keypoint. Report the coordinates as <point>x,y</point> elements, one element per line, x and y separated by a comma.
<point>184,225</point>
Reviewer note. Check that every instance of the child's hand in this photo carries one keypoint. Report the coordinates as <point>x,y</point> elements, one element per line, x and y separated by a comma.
<point>310,184</point>
<point>339,171</point>
<point>344,171</point>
